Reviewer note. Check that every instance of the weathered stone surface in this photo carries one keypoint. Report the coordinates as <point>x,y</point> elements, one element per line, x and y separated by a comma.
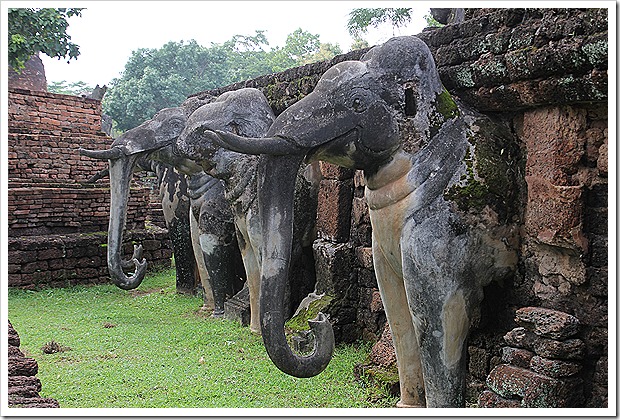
<point>555,142</point>
<point>32,402</point>
<point>336,279</point>
<point>383,353</point>
<point>548,322</point>
<point>364,257</point>
<point>24,381</point>
<point>334,206</point>
<point>489,399</point>
<point>13,336</point>
<point>32,77</point>
<point>23,366</point>
<point>517,357</point>
<point>521,338</point>
<point>331,171</point>
<point>534,61</point>
<point>23,385</point>
<point>478,362</point>
<point>554,214</point>
<point>553,367</point>
<point>571,349</point>
<point>237,308</point>
<point>536,390</point>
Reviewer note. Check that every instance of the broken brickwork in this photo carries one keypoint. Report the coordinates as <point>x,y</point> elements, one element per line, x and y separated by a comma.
<point>23,384</point>
<point>57,222</point>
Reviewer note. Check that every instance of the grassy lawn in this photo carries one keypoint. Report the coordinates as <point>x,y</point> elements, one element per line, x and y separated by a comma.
<point>153,348</point>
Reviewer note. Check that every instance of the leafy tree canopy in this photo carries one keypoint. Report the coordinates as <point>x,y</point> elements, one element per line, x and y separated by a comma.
<point>39,30</point>
<point>66,88</point>
<point>361,19</point>
<point>154,79</point>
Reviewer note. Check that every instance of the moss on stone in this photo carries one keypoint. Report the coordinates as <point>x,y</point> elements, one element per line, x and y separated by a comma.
<point>471,193</point>
<point>443,108</point>
<point>445,105</point>
<point>492,165</point>
<point>384,375</point>
<point>300,321</point>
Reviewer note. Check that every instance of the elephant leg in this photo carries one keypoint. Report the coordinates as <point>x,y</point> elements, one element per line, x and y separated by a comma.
<point>251,264</point>
<point>250,261</point>
<point>184,257</point>
<point>442,327</point>
<point>440,283</point>
<point>207,292</point>
<point>218,256</point>
<point>393,295</point>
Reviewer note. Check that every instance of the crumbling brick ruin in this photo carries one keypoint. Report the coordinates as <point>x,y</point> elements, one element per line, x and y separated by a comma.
<point>58,222</point>
<point>543,72</point>
<point>24,386</point>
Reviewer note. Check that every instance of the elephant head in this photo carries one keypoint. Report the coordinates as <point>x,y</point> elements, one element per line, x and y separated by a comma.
<point>351,119</point>
<point>150,137</point>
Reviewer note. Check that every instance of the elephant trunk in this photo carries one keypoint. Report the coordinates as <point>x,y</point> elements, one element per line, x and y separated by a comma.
<point>120,178</point>
<point>277,176</point>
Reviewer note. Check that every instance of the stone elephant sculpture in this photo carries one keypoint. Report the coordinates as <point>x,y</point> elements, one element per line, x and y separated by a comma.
<point>440,232</point>
<point>216,253</point>
<point>181,225</point>
<point>244,112</point>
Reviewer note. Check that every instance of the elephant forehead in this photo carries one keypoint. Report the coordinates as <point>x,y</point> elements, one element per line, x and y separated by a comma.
<point>168,113</point>
<point>340,74</point>
<point>140,138</point>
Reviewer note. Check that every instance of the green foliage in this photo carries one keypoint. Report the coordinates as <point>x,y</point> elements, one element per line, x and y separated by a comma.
<point>65,88</point>
<point>431,22</point>
<point>361,19</point>
<point>39,30</point>
<point>152,347</point>
<point>359,43</point>
<point>154,79</point>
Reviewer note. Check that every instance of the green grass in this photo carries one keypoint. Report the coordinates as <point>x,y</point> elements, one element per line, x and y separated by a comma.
<point>153,348</point>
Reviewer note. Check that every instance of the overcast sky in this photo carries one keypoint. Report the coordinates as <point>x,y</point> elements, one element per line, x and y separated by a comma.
<point>108,31</point>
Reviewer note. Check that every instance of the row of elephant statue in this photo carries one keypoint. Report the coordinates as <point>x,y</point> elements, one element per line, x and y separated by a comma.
<point>242,165</point>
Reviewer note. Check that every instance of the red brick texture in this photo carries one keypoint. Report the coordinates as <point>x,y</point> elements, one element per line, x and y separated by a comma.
<point>57,224</point>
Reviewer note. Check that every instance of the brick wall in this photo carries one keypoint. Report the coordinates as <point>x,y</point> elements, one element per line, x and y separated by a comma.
<point>42,209</point>
<point>57,222</point>
<point>77,258</point>
<point>45,132</point>
<point>38,112</point>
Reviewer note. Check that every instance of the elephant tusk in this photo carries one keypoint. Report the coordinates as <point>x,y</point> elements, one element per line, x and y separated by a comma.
<point>255,146</point>
<point>113,153</point>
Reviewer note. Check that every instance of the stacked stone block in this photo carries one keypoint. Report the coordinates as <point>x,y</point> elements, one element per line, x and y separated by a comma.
<point>333,253</point>
<point>541,363</point>
<point>502,59</point>
<point>23,384</point>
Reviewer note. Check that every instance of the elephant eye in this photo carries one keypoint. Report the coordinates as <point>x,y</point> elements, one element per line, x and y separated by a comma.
<point>176,124</point>
<point>358,104</point>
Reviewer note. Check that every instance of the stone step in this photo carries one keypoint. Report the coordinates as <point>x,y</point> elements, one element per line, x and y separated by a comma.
<point>237,308</point>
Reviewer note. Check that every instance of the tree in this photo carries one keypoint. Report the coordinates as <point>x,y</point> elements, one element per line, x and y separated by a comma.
<point>431,22</point>
<point>40,30</point>
<point>359,43</point>
<point>65,88</point>
<point>361,19</point>
<point>154,79</point>
<point>326,51</point>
